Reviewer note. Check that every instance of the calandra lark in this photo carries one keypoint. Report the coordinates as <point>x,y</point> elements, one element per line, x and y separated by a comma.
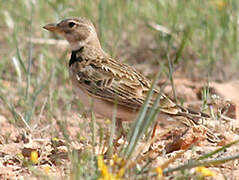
<point>95,75</point>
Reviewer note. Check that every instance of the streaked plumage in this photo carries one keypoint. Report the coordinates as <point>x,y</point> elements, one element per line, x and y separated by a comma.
<point>95,75</point>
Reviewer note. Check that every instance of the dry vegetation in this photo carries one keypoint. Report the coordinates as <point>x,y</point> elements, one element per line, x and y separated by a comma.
<point>45,133</point>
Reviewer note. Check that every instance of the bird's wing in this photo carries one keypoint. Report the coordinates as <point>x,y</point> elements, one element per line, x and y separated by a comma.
<point>113,81</point>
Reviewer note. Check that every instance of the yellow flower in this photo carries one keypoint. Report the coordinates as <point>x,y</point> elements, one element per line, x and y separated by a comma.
<point>34,157</point>
<point>105,174</point>
<point>82,138</point>
<point>55,139</point>
<point>205,171</point>
<point>120,173</point>
<point>102,167</point>
<point>220,4</point>
<point>47,169</point>
<point>159,172</point>
<point>118,160</point>
<point>20,155</point>
<point>108,121</point>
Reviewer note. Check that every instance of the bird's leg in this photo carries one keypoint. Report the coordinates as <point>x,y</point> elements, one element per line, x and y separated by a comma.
<point>155,129</point>
<point>119,128</point>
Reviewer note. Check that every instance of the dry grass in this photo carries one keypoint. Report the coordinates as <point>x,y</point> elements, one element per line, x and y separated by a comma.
<point>37,104</point>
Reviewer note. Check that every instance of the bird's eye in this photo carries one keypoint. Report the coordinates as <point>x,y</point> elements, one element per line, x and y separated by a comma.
<point>71,24</point>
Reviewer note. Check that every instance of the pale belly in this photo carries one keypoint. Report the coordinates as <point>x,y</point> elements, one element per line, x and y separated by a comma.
<point>105,108</point>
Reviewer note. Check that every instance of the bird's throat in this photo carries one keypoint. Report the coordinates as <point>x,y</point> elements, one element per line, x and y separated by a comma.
<point>74,57</point>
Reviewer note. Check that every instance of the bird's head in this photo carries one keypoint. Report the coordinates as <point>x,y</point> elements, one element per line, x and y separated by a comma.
<point>77,31</point>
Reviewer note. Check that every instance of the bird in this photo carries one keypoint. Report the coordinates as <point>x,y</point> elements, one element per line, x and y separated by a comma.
<point>101,81</point>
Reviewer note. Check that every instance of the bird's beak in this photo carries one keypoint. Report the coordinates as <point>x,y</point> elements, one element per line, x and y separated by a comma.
<point>53,28</point>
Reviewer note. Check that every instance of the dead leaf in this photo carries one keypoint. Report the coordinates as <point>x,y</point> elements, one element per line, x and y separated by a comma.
<point>193,136</point>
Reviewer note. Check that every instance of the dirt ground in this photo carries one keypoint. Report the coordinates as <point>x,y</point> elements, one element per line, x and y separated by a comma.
<point>18,142</point>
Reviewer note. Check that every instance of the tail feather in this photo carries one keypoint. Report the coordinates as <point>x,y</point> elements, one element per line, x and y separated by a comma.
<point>194,118</point>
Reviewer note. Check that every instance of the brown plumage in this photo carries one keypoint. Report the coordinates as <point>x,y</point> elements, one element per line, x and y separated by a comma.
<point>95,75</point>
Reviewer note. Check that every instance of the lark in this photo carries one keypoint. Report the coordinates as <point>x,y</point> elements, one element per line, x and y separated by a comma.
<point>101,81</point>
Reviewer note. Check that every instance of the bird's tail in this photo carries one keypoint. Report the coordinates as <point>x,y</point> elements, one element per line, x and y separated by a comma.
<point>196,118</point>
<point>190,117</point>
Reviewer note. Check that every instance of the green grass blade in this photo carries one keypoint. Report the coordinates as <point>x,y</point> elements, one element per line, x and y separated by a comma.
<point>171,79</point>
<point>10,107</point>
<point>153,111</point>
<point>18,69</point>
<point>101,20</point>
<point>19,57</point>
<point>218,150</point>
<point>31,109</point>
<point>29,55</point>
<point>193,164</point>
<point>135,130</point>
<point>93,129</point>
<point>112,132</point>
<point>183,43</point>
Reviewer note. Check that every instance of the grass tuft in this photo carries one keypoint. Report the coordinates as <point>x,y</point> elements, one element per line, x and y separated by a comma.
<point>197,39</point>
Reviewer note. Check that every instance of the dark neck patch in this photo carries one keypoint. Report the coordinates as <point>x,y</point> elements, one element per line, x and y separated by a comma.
<point>74,58</point>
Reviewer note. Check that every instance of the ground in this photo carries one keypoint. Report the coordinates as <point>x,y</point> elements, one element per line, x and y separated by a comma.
<point>47,134</point>
<point>53,142</point>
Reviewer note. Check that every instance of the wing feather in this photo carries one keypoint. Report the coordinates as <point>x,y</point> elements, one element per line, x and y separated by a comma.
<point>112,81</point>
